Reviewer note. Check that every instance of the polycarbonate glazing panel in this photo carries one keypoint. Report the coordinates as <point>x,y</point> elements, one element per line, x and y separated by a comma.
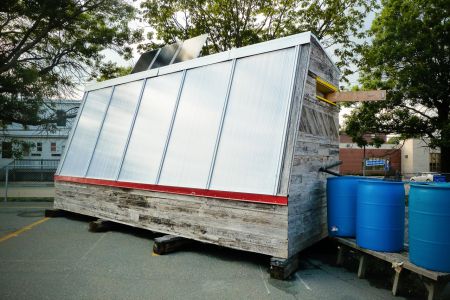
<point>85,135</point>
<point>113,136</point>
<point>151,128</point>
<point>191,146</point>
<point>252,136</point>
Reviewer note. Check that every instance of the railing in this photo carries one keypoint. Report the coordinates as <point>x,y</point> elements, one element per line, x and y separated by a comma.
<point>27,170</point>
<point>41,164</point>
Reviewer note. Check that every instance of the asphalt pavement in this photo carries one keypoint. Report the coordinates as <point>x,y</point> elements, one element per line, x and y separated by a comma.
<point>59,258</point>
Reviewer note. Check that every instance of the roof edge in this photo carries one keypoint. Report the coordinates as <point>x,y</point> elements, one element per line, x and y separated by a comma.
<point>263,47</point>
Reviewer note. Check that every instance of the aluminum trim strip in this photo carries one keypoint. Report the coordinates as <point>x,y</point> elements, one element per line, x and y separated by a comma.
<point>298,50</point>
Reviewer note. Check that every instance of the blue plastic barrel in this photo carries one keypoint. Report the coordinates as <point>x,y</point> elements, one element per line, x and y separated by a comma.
<point>429,226</point>
<point>439,178</point>
<point>341,205</point>
<point>380,215</point>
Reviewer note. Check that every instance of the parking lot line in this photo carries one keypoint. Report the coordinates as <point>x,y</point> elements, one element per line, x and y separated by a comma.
<point>22,230</point>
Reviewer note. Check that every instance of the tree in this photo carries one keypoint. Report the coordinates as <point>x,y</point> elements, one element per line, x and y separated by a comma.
<point>110,70</point>
<point>409,56</point>
<point>239,23</point>
<point>48,48</point>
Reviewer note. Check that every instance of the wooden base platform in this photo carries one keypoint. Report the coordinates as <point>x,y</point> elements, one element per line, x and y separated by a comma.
<point>169,243</point>
<point>433,281</point>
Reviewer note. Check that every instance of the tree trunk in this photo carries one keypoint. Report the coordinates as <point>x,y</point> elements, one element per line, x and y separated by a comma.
<point>445,159</point>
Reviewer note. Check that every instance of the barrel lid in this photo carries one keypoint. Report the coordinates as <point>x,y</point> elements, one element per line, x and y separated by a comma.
<point>379,181</point>
<point>431,185</point>
<point>350,177</point>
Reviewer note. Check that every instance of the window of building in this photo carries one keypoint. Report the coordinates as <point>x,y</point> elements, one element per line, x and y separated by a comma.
<point>6,150</point>
<point>25,150</point>
<point>38,150</point>
<point>53,149</point>
<point>61,118</point>
<point>435,162</point>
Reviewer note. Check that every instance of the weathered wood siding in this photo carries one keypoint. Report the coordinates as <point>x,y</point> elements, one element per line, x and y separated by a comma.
<point>321,65</point>
<point>253,227</point>
<point>317,143</point>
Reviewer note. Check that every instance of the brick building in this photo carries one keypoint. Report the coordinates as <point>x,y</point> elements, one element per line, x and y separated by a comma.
<point>352,156</point>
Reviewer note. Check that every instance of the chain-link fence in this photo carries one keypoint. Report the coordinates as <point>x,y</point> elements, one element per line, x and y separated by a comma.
<point>34,170</point>
<point>22,173</point>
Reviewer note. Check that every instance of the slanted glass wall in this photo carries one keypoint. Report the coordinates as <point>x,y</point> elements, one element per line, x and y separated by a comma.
<point>113,137</point>
<point>220,126</point>
<point>151,129</point>
<point>85,135</point>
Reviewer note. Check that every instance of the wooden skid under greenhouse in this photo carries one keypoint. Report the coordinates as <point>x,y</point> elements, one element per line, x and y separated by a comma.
<point>433,281</point>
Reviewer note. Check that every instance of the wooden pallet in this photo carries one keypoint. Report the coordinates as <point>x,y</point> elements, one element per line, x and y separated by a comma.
<point>433,281</point>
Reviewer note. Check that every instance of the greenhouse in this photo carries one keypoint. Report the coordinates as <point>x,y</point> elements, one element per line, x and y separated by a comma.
<point>167,148</point>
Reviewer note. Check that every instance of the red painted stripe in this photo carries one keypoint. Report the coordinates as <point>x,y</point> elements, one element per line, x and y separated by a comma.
<point>236,196</point>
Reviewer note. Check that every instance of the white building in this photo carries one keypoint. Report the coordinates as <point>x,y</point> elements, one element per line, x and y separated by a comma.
<point>45,145</point>
<point>417,157</point>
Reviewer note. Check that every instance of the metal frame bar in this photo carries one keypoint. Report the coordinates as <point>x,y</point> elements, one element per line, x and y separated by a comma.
<point>180,45</point>
<point>172,121</point>
<point>100,130</point>
<point>153,60</point>
<point>222,119</point>
<point>72,133</point>
<point>299,116</point>
<point>269,46</point>
<point>130,131</point>
<point>297,53</point>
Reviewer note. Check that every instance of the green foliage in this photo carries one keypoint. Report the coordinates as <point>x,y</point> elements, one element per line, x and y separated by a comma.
<point>394,140</point>
<point>409,56</point>
<point>48,47</point>
<point>110,70</point>
<point>240,23</point>
<point>18,147</point>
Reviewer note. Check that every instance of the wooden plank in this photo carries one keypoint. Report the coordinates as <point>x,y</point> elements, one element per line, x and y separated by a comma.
<point>362,266</point>
<point>169,243</point>
<point>340,257</point>
<point>434,288</point>
<point>397,258</point>
<point>396,281</point>
<point>101,225</point>
<point>281,268</point>
<point>54,213</point>
<point>322,66</point>
<point>254,227</point>
<point>357,96</point>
